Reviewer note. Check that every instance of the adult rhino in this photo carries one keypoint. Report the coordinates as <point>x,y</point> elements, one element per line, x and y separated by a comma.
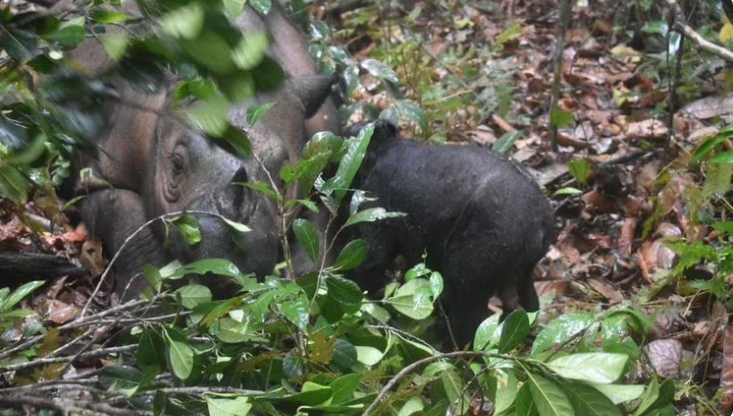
<point>152,163</point>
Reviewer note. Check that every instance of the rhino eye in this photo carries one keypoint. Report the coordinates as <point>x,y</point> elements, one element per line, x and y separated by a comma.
<point>177,165</point>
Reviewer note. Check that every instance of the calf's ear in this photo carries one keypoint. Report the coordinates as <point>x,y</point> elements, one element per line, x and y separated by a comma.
<point>312,91</point>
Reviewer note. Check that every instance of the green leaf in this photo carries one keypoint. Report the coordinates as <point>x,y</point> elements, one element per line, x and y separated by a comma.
<point>561,330</point>
<point>236,226</point>
<point>211,116</point>
<point>580,170</point>
<point>151,349</point>
<point>344,355</point>
<point>351,256</point>
<point>368,355</point>
<point>505,390</point>
<point>250,51</point>
<point>123,379</point>
<point>210,51</point>
<point>344,387</point>
<point>255,113</point>
<point>19,294</point>
<point>349,164</point>
<point>108,16</point>
<point>238,406</point>
<point>344,292</point>
<point>371,215</point>
<point>409,306</point>
<point>180,353</point>
<point>413,405</point>
<point>380,70</point>
<point>262,6</point>
<point>505,142</point>
<point>514,331</point>
<point>560,118</point>
<point>567,191</point>
<point>312,394</point>
<point>718,179</point>
<point>408,110</point>
<point>723,157</point>
<point>525,405</point>
<point>454,391</point>
<point>308,236</point>
<point>189,228</point>
<point>597,367</point>
<point>115,45</point>
<point>711,143</point>
<point>13,184</point>
<point>296,310</point>
<point>233,8</point>
<point>194,295</point>
<point>620,393</point>
<point>21,45</point>
<point>588,401</point>
<point>548,397</point>
<point>68,36</point>
<point>184,22</point>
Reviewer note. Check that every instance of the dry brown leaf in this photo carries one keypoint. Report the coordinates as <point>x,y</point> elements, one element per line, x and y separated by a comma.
<point>60,312</point>
<point>726,375</point>
<point>665,356</point>
<point>607,290</point>
<point>647,129</point>
<point>626,237</point>
<point>708,107</point>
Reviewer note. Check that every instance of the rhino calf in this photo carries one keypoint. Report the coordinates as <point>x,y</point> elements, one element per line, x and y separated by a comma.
<point>483,221</point>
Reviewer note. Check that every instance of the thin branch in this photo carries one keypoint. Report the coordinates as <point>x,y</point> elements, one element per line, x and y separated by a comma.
<point>701,42</point>
<point>55,360</point>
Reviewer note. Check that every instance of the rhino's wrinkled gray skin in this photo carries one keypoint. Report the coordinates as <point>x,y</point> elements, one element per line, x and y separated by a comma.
<point>155,164</point>
<point>482,219</point>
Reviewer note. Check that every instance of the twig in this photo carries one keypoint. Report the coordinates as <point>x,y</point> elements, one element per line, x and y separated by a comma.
<point>407,370</point>
<point>55,360</point>
<point>566,8</point>
<point>701,42</point>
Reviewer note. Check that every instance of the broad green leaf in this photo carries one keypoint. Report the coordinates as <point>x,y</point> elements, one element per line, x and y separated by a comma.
<point>21,45</point>
<point>567,191</point>
<point>122,379</point>
<point>13,184</point>
<point>352,255</point>
<point>257,112</point>
<point>193,295</point>
<point>189,227</point>
<point>407,306</point>
<point>455,392</point>
<point>525,404</point>
<point>107,16</point>
<point>588,401</point>
<point>560,118</point>
<point>293,365</point>
<point>233,8</point>
<point>151,349</point>
<point>405,109</point>
<point>20,293</point>
<point>514,331</point>
<point>561,330</point>
<point>344,292</point>
<point>718,179</point>
<point>308,236</point>
<point>371,215</point>
<point>412,406</point>
<point>368,355</point>
<point>211,116</point>
<point>209,50</point>
<point>506,390</point>
<point>115,45</point>
<point>250,51</point>
<point>238,406</point>
<point>620,393</point>
<point>296,310</point>
<point>349,165</point>
<point>344,387</point>
<point>236,226</point>
<point>380,70</point>
<point>180,353</point>
<point>68,36</point>
<point>723,157</point>
<point>262,6</point>
<point>184,22</point>
<point>345,355</point>
<point>487,336</point>
<point>548,397</point>
<point>580,170</point>
<point>711,143</point>
<point>505,142</point>
<point>312,394</point>
<point>598,367</point>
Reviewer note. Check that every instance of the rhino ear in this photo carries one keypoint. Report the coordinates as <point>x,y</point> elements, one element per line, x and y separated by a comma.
<point>312,91</point>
